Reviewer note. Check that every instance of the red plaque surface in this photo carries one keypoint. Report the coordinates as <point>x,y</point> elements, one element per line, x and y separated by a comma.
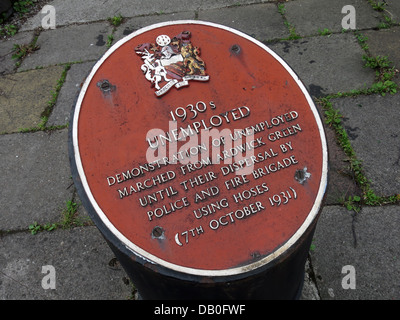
<point>199,148</point>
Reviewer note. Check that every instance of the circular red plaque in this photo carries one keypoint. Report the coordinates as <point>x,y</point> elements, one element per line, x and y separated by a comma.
<point>199,148</point>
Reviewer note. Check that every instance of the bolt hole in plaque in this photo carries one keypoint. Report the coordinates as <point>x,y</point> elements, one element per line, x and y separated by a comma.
<point>105,86</point>
<point>235,49</point>
<point>211,149</point>
<point>157,233</point>
<point>302,175</point>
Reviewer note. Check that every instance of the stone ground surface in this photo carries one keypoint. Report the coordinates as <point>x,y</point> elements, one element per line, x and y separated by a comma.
<point>357,233</point>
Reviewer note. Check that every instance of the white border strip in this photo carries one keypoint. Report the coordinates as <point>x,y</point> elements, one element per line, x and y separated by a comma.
<point>146,255</point>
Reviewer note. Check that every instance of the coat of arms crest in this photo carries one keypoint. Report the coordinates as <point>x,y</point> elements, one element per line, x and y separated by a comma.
<point>171,62</point>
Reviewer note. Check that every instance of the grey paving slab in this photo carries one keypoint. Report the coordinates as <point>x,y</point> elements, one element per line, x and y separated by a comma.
<point>310,290</point>
<point>341,183</point>
<point>385,42</point>
<point>372,124</point>
<point>326,64</point>
<point>77,11</point>
<point>366,242</point>
<point>392,10</point>
<point>311,16</point>
<point>66,99</point>
<point>7,63</point>
<point>69,44</point>
<point>35,178</point>
<point>266,22</point>
<point>132,24</point>
<point>210,4</point>
<point>24,96</point>
<point>82,263</point>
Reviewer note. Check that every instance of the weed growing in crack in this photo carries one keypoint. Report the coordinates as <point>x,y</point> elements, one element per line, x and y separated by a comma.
<point>116,20</point>
<point>292,31</point>
<point>23,50</point>
<point>334,119</point>
<point>69,219</point>
<point>384,74</point>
